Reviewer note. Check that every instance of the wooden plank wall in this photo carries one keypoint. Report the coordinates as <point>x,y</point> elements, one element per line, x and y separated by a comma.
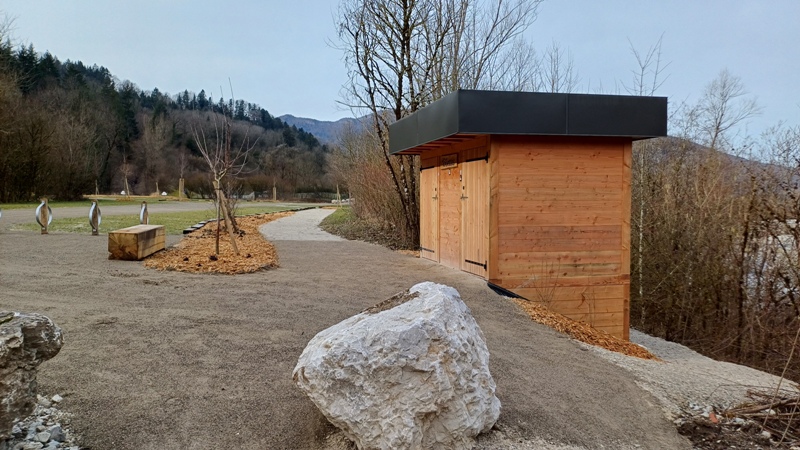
<point>560,225</point>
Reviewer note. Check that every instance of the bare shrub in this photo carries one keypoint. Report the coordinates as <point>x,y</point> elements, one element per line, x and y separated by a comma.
<point>359,160</point>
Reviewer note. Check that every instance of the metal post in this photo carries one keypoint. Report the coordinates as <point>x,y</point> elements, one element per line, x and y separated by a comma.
<point>95,218</point>
<point>44,215</point>
<point>144,218</point>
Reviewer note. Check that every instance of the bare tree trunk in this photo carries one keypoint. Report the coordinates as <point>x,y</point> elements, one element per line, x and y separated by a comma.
<point>228,222</point>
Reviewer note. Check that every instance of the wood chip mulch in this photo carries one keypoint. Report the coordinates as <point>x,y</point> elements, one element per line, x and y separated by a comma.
<point>581,331</point>
<point>196,253</point>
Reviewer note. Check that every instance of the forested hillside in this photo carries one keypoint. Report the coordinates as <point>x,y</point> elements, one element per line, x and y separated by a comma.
<point>67,129</point>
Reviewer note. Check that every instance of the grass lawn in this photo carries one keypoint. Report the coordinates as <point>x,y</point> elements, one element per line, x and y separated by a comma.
<point>174,223</point>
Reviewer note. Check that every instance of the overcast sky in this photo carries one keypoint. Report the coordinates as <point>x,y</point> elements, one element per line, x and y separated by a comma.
<point>279,54</point>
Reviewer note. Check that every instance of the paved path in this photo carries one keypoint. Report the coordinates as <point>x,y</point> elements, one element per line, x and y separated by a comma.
<point>300,226</point>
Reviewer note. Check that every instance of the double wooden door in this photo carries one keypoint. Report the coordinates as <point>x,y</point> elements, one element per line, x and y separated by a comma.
<point>454,204</point>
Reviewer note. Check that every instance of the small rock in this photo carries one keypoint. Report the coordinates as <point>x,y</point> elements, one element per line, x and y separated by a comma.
<point>43,401</point>
<point>56,433</point>
<point>57,398</point>
<point>766,435</point>
<point>32,445</point>
<point>44,436</point>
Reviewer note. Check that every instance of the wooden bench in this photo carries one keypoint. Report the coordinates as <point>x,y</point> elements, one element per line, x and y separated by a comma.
<point>136,243</point>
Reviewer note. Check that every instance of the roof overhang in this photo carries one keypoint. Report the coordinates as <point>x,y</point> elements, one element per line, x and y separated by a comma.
<point>463,114</point>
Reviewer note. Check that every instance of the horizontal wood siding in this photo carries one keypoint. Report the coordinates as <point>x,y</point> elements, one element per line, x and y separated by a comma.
<point>560,225</point>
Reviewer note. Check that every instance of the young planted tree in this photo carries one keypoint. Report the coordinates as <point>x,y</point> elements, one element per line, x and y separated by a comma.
<point>224,161</point>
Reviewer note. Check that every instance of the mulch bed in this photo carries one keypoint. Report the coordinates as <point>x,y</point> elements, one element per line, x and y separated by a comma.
<point>196,251</point>
<point>581,331</point>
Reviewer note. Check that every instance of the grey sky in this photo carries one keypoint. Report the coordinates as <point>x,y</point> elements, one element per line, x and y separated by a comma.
<point>277,54</point>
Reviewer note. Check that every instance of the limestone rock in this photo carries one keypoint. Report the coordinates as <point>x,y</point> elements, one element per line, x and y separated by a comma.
<point>25,341</point>
<point>409,373</point>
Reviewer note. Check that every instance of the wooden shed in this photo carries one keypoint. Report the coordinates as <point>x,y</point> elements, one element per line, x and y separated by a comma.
<point>532,192</point>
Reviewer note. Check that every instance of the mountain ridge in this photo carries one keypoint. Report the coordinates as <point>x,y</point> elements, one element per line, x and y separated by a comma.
<point>326,131</point>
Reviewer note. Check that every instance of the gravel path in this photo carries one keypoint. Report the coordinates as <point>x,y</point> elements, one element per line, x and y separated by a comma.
<point>687,380</point>
<point>300,226</point>
<point>168,360</point>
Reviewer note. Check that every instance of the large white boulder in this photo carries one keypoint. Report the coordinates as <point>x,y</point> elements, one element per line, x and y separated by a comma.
<point>409,373</point>
<point>26,340</point>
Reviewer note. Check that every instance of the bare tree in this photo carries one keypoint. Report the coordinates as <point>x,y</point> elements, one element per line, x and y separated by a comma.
<point>724,105</point>
<point>647,78</point>
<point>404,54</point>
<point>150,149</point>
<point>558,70</point>
<point>224,160</point>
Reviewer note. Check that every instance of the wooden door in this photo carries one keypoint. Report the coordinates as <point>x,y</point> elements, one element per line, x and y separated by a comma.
<point>475,216</point>
<point>450,216</point>
<point>429,207</point>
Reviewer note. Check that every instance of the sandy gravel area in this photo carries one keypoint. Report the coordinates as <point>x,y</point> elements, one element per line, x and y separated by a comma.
<point>168,360</point>
<point>686,377</point>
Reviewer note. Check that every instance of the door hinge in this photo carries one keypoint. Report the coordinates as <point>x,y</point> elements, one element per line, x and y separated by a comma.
<point>476,263</point>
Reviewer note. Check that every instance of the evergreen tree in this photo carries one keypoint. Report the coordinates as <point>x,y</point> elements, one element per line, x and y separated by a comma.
<point>202,102</point>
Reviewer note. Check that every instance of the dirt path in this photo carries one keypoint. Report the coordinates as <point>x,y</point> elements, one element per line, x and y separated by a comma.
<point>157,360</point>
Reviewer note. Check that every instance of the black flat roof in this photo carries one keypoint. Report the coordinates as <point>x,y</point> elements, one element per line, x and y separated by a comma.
<point>464,113</point>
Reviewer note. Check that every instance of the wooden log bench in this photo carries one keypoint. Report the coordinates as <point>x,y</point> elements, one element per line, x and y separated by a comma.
<point>136,243</point>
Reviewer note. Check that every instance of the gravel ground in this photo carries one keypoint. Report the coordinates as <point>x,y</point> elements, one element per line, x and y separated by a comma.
<point>686,378</point>
<point>168,360</point>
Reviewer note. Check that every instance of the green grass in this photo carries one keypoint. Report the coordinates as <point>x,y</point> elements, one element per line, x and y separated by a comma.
<point>346,224</point>
<point>339,218</point>
<point>174,223</point>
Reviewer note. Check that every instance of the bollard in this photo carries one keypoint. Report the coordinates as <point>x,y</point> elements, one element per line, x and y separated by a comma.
<point>95,218</point>
<point>44,215</point>
<point>144,218</point>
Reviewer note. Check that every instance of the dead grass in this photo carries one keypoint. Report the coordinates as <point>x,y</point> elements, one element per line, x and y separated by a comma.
<point>196,253</point>
<point>581,331</point>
